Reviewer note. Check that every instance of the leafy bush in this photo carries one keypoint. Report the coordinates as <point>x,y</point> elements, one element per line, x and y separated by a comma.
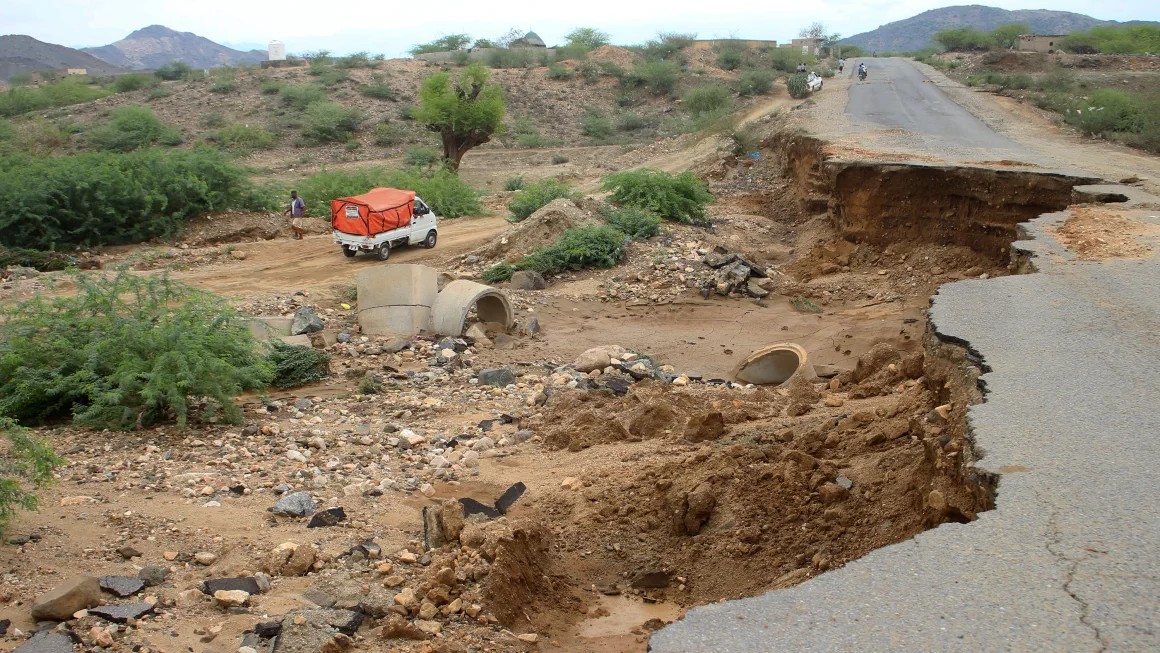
<point>637,224</point>
<point>333,76</point>
<point>20,79</point>
<point>595,124</point>
<point>124,352</point>
<point>1107,110</point>
<point>301,96</point>
<point>559,159</point>
<point>378,89</point>
<point>612,69</point>
<point>295,365</point>
<point>18,100</point>
<point>356,60</point>
<point>134,82</point>
<point>329,122</point>
<point>674,197</point>
<point>443,44</point>
<point>446,194</point>
<point>7,131</point>
<point>630,121</point>
<point>755,82</point>
<point>26,461</point>
<point>272,87</point>
<point>576,249</point>
<point>497,273</point>
<point>174,70</point>
<point>589,71</point>
<point>130,127</point>
<point>797,85</point>
<point>659,77</point>
<point>535,196</point>
<point>1057,80</point>
<point>32,258</point>
<point>225,82</point>
<point>706,99</point>
<point>730,59</point>
<point>422,156</point>
<point>101,197</point>
<point>387,134</point>
<point>558,72</point>
<point>963,39</point>
<point>243,139</point>
<point>1125,39</point>
<point>156,93</point>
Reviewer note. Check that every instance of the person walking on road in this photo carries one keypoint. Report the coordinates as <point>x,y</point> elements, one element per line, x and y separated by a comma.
<point>297,210</point>
<point>841,64</point>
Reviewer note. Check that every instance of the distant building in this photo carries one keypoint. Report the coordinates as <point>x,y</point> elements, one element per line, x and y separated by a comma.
<point>277,51</point>
<point>1039,42</point>
<point>76,71</point>
<point>529,40</point>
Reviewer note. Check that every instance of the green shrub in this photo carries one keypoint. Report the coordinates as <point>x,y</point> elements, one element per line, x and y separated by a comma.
<point>223,83</point>
<point>612,69</point>
<point>272,87</point>
<point>328,122</point>
<point>19,100</point>
<point>356,60</point>
<point>378,89</point>
<point>124,352</point>
<point>1107,110</point>
<point>706,99</point>
<point>106,198</point>
<point>576,249</point>
<point>659,77</point>
<point>559,159</point>
<point>446,194</point>
<point>497,273</point>
<point>130,127</point>
<point>797,85</point>
<point>301,96</point>
<point>514,183</point>
<point>28,465</point>
<point>556,71</point>
<point>422,156</point>
<point>407,112</point>
<point>755,82</point>
<point>589,71</point>
<point>963,39</point>
<point>1058,80</point>
<point>134,82</point>
<point>7,131</point>
<point>387,134</point>
<point>39,136</point>
<point>213,119</point>
<point>20,79</point>
<point>174,70</point>
<point>594,124</point>
<point>157,93</point>
<point>243,139</point>
<point>535,196</point>
<point>333,76</point>
<point>745,139</point>
<point>674,197</point>
<point>630,121</point>
<point>730,59</point>
<point>296,365</point>
<point>33,258</point>
<point>1114,39</point>
<point>637,224</point>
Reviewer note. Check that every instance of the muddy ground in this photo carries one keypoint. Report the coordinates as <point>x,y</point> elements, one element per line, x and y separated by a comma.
<point>643,496</point>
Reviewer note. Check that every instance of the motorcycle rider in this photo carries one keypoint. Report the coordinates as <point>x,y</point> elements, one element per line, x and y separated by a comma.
<point>862,70</point>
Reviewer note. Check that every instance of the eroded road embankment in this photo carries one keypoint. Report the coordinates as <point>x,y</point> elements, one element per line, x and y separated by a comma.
<point>1066,559</point>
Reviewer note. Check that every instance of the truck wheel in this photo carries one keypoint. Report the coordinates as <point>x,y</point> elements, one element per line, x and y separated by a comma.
<point>349,252</point>
<point>429,242</point>
<point>384,251</point>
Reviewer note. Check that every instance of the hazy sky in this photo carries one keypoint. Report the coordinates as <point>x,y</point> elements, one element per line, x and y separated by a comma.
<point>392,27</point>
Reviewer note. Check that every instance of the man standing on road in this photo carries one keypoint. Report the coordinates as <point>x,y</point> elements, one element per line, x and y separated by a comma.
<point>297,210</point>
<point>841,64</point>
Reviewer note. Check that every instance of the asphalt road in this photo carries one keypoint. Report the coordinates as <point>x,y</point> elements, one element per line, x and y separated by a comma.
<point>896,95</point>
<point>1069,560</point>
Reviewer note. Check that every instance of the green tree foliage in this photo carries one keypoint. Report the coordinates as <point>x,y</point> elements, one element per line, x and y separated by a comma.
<point>28,465</point>
<point>465,110</point>
<point>535,196</point>
<point>588,38</point>
<point>1006,36</point>
<point>71,90</point>
<point>443,44</point>
<point>448,195</point>
<point>709,98</point>
<point>594,124</point>
<point>106,198</point>
<point>130,127</point>
<point>20,79</point>
<point>174,70</point>
<point>328,122</point>
<point>134,82</point>
<point>797,85</point>
<point>1107,110</point>
<point>124,352</point>
<point>635,223</point>
<point>301,96</point>
<point>295,365</point>
<point>576,249</point>
<point>755,82</point>
<point>243,139</point>
<point>498,273</point>
<point>1128,39</point>
<point>674,197</point>
<point>963,39</point>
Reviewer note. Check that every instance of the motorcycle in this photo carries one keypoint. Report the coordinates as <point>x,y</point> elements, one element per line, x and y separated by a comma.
<point>861,75</point>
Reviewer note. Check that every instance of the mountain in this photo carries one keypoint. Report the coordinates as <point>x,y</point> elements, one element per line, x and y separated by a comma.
<point>156,45</point>
<point>916,32</point>
<point>24,54</point>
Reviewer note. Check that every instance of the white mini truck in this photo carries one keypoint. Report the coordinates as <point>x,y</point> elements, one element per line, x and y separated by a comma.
<point>381,219</point>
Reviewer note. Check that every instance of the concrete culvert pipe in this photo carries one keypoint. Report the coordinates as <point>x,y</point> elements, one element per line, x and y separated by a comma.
<point>774,365</point>
<point>396,299</point>
<point>455,301</point>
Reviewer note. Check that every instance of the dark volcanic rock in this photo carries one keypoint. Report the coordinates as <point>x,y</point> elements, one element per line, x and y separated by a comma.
<point>123,612</point>
<point>246,584</point>
<point>122,586</point>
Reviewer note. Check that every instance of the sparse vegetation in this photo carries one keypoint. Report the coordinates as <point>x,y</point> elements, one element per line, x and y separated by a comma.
<point>378,88</point>
<point>225,81</point>
<point>28,465</point>
<point>498,273</point>
<point>243,139</point>
<point>130,127</point>
<point>301,96</point>
<point>124,352</point>
<point>514,183</point>
<point>680,197</point>
<point>18,100</point>
<point>134,82</point>
<point>755,82</point>
<point>559,159</point>
<point>659,77</point>
<point>174,70</point>
<point>635,223</point>
<point>535,196</point>
<point>558,72</point>
<point>448,195</point>
<point>595,125</point>
<point>1124,39</point>
<point>963,39</point>
<point>295,365</point>
<point>576,249</point>
<point>422,157</point>
<point>709,98</point>
<point>387,134</point>
<point>327,122</point>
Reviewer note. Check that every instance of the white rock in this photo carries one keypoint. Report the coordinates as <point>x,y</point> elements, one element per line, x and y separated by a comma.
<point>231,598</point>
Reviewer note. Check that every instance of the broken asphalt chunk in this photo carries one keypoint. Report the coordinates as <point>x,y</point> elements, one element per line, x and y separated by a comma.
<point>123,612</point>
<point>122,586</point>
<point>247,584</point>
<point>328,517</point>
<point>509,497</point>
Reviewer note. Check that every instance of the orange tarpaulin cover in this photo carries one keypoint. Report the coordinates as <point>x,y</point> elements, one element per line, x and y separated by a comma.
<point>374,212</point>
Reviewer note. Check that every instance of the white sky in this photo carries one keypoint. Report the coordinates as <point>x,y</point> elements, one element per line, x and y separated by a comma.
<point>392,27</point>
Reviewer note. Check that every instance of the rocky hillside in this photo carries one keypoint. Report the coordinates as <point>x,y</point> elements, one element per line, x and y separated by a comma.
<point>156,45</point>
<point>915,33</point>
<point>24,54</point>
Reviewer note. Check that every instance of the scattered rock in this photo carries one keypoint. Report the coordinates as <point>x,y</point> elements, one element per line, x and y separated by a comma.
<point>128,552</point>
<point>299,504</point>
<point>397,627</point>
<point>247,584</point>
<point>597,358</point>
<point>305,321</point>
<point>205,558</point>
<point>700,504</point>
<point>528,638</point>
<point>122,586</point>
<point>705,426</point>
<point>231,598</point>
<point>831,493</point>
<point>290,559</point>
<point>47,642</point>
<point>122,612</point>
<point>328,517</point>
<point>153,575</point>
<point>499,377</point>
<point>528,280</point>
<point>62,601</point>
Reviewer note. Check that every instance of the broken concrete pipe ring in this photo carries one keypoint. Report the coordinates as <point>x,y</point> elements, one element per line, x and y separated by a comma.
<point>455,301</point>
<point>396,300</point>
<point>775,365</point>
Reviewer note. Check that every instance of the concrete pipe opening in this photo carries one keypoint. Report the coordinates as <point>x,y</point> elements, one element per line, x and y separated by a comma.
<point>455,301</point>
<point>774,365</point>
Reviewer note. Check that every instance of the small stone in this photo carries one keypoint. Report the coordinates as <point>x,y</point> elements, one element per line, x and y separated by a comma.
<point>122,586</point>
<point>153,575</point>
<point>834,401</point>
<point>427,490</point>
<point>247,584</point>
<point>205,558</point>
<point>528,638</point>
<point>128,552</point>
<point>571,483</point>
<point>429,627</point>
<point>499,377</point>
<point>63,600</point>
<point>328,517</point>
<point>299,504</point>
<point>123,612</point>
<point>844,482</point>
<point>408,557</point>
<point>169,555</point>
<point>305,321</point>
<point>705,426</point>
<point>528,280</point>
<point>304,404</point>
<point>231,598</point>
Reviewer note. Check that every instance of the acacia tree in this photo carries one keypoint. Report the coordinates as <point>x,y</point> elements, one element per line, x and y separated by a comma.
<point>588,38</point>
<point>1007,36</point>
<point>464,111</point>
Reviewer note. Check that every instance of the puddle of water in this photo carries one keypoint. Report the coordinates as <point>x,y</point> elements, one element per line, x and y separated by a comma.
<point>624,615</point>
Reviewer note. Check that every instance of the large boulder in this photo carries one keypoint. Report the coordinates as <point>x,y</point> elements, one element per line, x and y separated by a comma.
<point>497,376</point>
<point>598,358</point>
<point>305,321</point>
<point>528,280</point>
<point>299,504</point>
<point>70,596</point>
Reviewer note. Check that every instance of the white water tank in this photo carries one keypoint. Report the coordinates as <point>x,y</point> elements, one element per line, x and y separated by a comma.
<point>277,51</point>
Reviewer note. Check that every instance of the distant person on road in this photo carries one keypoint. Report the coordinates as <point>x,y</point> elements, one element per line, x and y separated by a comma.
<point>841,64</point>
<point>296,211</point>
